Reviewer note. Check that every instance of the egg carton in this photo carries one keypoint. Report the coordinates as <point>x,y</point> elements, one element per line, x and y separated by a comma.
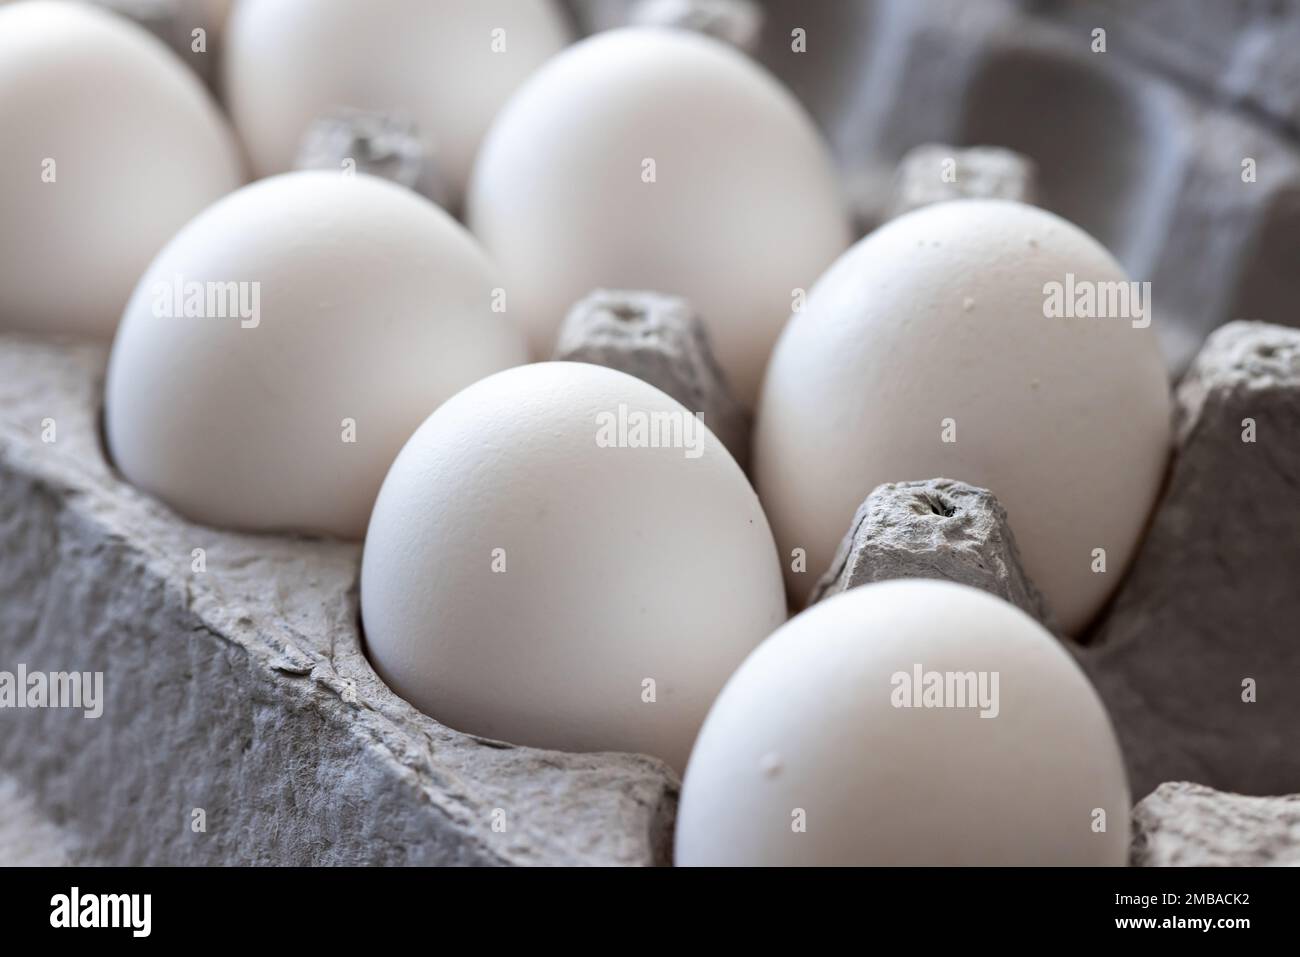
<point>1187,825</point>
<point>242,723</point>
<point>1195,657</point>
<point>1142,145</point>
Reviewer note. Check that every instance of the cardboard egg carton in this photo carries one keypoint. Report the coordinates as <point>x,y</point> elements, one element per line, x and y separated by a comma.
<point>241,722</point>
<point>1142,145</point>
<point>1195,657</point>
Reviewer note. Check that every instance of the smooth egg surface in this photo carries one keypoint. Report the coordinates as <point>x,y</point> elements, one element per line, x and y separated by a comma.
<point>110,145</point>
<point>925,352</point>
<point>534,573</point>
<point>912,723</point>
<point>445,65</point>
<point>284,345</point>
<point>662,160</point>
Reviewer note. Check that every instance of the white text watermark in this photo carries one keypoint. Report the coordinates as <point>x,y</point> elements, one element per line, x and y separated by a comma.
<point>75,909</point>
<point>919,688</point>
<point>1085,299</point>
<point>192,299</point>
<point>629,428</point>
<point>53,689</point>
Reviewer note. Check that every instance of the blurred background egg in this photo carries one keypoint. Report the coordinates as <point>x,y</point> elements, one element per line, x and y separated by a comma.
<point>110,145</point>
<point>526,580</point>
<point>659,159</point>
<point>825,749</point>
<point>925,351</point>
<point>284,345</point>
<point>446,65</point>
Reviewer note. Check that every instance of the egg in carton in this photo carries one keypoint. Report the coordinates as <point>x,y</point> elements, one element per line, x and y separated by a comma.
<point>287,657</point>
<point>1169,138</point>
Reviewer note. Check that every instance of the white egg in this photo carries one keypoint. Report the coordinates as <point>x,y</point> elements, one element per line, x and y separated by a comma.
<point>535,572</point>
<point>110,146</point>
<point>663,160</point>
<point>906,723</point>
<point>925,352</point>
<point>285,343</point>
<point>447,65</point>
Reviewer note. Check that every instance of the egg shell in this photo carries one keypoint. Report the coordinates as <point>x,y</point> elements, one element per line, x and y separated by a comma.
<point>373,306</point>
<point>810,758</point>
<point>110,146</point>
<point>523,582</point>
<point>933,327</point>
<point>743,210</point>
<point>291,61</point>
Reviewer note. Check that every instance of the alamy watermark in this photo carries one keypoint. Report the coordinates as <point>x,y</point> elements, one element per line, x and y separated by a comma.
<point>629,428</point>
<point>1085,299</point>
<point>82,690</point>
<point>130,911</point>
<point>178,298</point>
<point>919,688</point>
